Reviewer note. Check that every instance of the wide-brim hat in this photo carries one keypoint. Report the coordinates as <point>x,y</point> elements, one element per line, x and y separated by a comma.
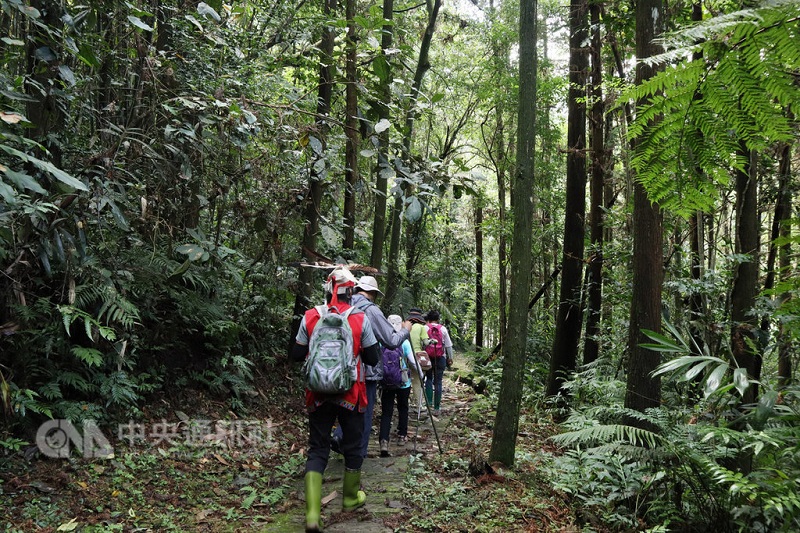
<point>369,284</point>
<point>415,315</point>
<point>396,321</point>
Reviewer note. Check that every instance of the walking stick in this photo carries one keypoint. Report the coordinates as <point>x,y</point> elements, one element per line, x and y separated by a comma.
<point>430,414</point>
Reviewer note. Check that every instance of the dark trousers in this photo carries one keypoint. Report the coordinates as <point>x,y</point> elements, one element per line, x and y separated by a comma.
<point>320,424</point>
<point>372,393</point>
<point>387,409</point>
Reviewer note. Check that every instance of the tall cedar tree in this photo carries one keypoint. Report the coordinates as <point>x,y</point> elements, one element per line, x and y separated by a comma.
<point>313,199</point>
<point>506,427</point>
<point>570,314</point>
<point>643,390</point>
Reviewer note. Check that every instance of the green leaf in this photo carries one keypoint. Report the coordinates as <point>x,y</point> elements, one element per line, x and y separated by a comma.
<point>413,209</point>
<point>194,252</point>
<point>136,21</point>
<point>48,167</point>
<point>208,11</point>
<point>381,68</point>
<point>7,193</point>
<point>24,181</point>
<point>119,218</point>
<point>715,379</point>
<point>90,356</point>
<point>740,380</point>
<point>382,125</point>
<point>178,272</point>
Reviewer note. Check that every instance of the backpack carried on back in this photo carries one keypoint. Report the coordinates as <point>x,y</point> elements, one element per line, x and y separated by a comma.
<point>435,333</point>
<point>331,367</point>
<point>394,375</point>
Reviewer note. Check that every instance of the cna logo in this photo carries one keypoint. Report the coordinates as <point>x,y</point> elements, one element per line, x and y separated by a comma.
<point>55,437</point>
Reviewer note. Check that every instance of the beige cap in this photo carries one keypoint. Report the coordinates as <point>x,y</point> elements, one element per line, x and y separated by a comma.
<point>368,283</point>
<point>396,321</point>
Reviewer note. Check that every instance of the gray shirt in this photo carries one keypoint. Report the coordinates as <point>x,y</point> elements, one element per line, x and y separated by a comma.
<point>383,330</point>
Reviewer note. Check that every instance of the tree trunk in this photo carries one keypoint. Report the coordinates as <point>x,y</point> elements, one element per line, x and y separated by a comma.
<point>784,256</point>
<point>643,390</point>
<point>423,65</point>
<point>696,233</point>
<point>479,273</point>
<point>745,279</point>
<point>351,130</point>
<point>498,155</point>
<point>506,428</point>
<point>43,110</point>
<point>570,313</point>
<point>594,285</point>
<point>313,199</point>
<point>383,169</point>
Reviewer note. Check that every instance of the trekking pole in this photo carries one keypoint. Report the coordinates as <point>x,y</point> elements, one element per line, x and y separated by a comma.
<point>430,413</point>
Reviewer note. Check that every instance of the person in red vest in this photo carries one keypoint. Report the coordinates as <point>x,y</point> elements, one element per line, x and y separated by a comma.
<point>348,408</point>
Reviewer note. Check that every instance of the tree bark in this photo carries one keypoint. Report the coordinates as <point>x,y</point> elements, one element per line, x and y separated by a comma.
<point>479,273</point>
<point>745,279</point>
<point>594,285</point>
<point>783,210</point>
<point>563,360</point>
<point>351,130</point>
<point>423,65</point>
<point>506,428</point>
<point>313,199</point>
<point>643,390</point>
<point>383,169</point>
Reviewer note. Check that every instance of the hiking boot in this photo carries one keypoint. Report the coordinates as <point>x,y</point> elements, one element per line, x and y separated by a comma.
<point>402,440</point>
<point>437,412</point>
<point>384,448</point>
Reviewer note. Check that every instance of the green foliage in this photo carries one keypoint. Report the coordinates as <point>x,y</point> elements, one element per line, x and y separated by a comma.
<point>697,467</point>
<point>696,114</point>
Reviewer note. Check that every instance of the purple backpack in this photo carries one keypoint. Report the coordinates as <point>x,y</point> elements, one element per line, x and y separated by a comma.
<point>393,367</point>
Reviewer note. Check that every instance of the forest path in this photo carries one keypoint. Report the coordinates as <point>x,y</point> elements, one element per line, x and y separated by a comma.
<point>382,478</point>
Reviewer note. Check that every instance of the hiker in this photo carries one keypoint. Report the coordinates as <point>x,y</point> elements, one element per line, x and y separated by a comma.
<point>348,408</point>
<point>441,352</point>
<point>399,392</point>
<point>419,340</point>
<point>366,291</point>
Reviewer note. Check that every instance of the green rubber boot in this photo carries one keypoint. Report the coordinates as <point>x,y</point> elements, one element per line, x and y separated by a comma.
<point>429,396</point>
<point>352,498</point>
<point>313,501</point>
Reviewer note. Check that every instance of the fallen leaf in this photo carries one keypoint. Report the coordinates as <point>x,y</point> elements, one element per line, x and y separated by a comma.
<point>219,458</point>
<point>202,515</point>
<point>42,487</point>
<point>68,526</point>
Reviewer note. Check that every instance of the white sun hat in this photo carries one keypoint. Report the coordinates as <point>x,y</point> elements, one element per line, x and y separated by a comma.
<point>368,283</point>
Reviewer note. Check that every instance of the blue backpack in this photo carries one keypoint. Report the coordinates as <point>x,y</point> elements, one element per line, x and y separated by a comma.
<point>394,373</point>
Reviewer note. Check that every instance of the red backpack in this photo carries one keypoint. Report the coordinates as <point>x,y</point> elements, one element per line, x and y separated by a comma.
<point>435,333</point>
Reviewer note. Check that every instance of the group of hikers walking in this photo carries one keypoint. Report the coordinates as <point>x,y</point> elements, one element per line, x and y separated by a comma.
<point>350,349</point>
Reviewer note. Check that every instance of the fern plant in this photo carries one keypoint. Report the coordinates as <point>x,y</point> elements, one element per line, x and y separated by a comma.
<point>742,90</point>
<point>689,454</point>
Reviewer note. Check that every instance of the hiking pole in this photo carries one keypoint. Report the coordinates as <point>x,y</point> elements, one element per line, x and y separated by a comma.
<point>430,413</point>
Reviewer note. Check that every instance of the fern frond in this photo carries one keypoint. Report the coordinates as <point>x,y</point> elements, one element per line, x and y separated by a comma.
<point>601,433</point>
